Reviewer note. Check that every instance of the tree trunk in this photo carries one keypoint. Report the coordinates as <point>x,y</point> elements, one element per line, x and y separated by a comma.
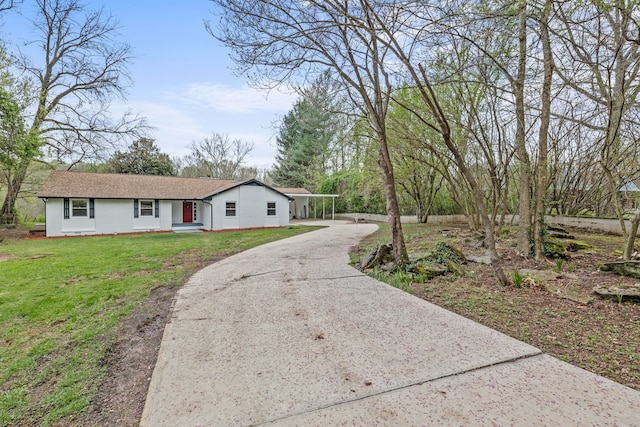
<point>611,151</point>
<point>545,118</point>
<point>631,238</point>
<point>8,212</point>
<point>399,250</point>
<point>490,240</point>
<point>524,210</point>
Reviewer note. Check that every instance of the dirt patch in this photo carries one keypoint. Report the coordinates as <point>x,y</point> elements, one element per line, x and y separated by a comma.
<point>5,257</point>
<point>17,232</point>
<point>130,361</point>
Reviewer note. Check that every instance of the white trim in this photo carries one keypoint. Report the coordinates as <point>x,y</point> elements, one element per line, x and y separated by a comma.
<point>235,208</point>
<point>72,214</point>
<point>275,208</point>
<point>311,195</point>
<point>140,214</point>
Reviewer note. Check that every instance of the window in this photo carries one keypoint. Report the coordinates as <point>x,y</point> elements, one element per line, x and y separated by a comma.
<point>230,209</point>
<point>146,208</point>
<point>79,208</point>
<point>271,208</point>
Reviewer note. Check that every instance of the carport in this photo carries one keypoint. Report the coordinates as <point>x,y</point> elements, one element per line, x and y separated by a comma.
<point>300,208</point>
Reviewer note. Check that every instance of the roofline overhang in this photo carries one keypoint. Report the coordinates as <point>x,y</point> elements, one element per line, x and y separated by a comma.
<point>248,182</point>
<point>312,195</point>
<point>122,198</point>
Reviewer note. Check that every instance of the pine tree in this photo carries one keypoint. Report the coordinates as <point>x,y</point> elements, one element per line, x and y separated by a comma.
<point>305,137</point>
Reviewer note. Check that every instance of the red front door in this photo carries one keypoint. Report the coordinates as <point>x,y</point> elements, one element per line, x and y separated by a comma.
<point>187,212</point>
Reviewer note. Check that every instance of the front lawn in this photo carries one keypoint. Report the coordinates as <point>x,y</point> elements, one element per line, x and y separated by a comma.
<point>61,301</point>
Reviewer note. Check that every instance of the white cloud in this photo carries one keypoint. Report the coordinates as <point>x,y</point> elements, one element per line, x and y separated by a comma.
<point>224,98</point>
<point>241,113</point>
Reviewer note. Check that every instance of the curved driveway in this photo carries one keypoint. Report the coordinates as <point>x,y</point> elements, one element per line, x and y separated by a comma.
<point>289,334</point>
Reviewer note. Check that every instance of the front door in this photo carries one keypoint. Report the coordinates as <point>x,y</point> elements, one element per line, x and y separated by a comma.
<point>187,212</point>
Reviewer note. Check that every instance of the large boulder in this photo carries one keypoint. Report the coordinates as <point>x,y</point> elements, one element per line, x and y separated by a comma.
<point>624,268</point>
<point>424,271</point>
<point>619,290</point>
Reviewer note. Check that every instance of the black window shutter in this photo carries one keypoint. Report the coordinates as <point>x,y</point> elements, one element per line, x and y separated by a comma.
<point>157,206</point>
<point>66,208</point>
<point>92,208</point>
<point>135,208</point>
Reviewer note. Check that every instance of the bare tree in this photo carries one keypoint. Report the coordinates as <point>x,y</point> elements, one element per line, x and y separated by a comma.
<point>218,156</point>
<point>274,42</point>
<point>6,5</point>
<point>83,68</point>
<point>599,63</point>
<point>415,26</point>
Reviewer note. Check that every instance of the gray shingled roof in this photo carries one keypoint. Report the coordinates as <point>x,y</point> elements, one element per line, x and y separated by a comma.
<point>129,186</point>
<point>293,191</point>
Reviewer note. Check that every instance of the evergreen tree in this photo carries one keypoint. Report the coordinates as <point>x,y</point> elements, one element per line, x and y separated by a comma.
<point>143,157</point>
<point>305,137</point>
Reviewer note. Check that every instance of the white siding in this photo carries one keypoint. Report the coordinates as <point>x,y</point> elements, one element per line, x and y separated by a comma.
<point>228,222</point>
<point>54,215</point>
<point>111,216</point>
<point>114,216</point>
<point>176,216</point>
<point>251,208</point>
<point>205,216</point>
<point>166,211</point>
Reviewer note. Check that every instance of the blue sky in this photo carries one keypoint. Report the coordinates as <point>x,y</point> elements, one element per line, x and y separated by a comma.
<point>182,77</point>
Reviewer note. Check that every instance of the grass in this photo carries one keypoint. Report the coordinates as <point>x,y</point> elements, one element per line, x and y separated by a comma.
<point>61,301</point>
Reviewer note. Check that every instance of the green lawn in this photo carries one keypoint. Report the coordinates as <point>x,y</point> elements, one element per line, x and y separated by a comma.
<point>61,300</point>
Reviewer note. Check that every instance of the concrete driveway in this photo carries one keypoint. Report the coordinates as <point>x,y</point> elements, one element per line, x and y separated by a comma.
<point>289,334</point>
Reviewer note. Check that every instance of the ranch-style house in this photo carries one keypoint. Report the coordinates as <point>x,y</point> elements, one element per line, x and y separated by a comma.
<point>83,203</point>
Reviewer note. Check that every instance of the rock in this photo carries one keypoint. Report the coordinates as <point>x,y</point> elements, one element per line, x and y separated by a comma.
<point>479,259</point>
<point>559,232</point>
<point>620,290</point>
<point>429,271</point>
<point>557,229</point>
<point>555,249</point>
<point>624,268</point>
<point>479,240</point>
<point>562,236</point>
<point>577,245</point>
<point>445,251</point>
<point>567,292</point>
<point>541,275</point>
<point>530,282</point>
<point>455,268</point>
